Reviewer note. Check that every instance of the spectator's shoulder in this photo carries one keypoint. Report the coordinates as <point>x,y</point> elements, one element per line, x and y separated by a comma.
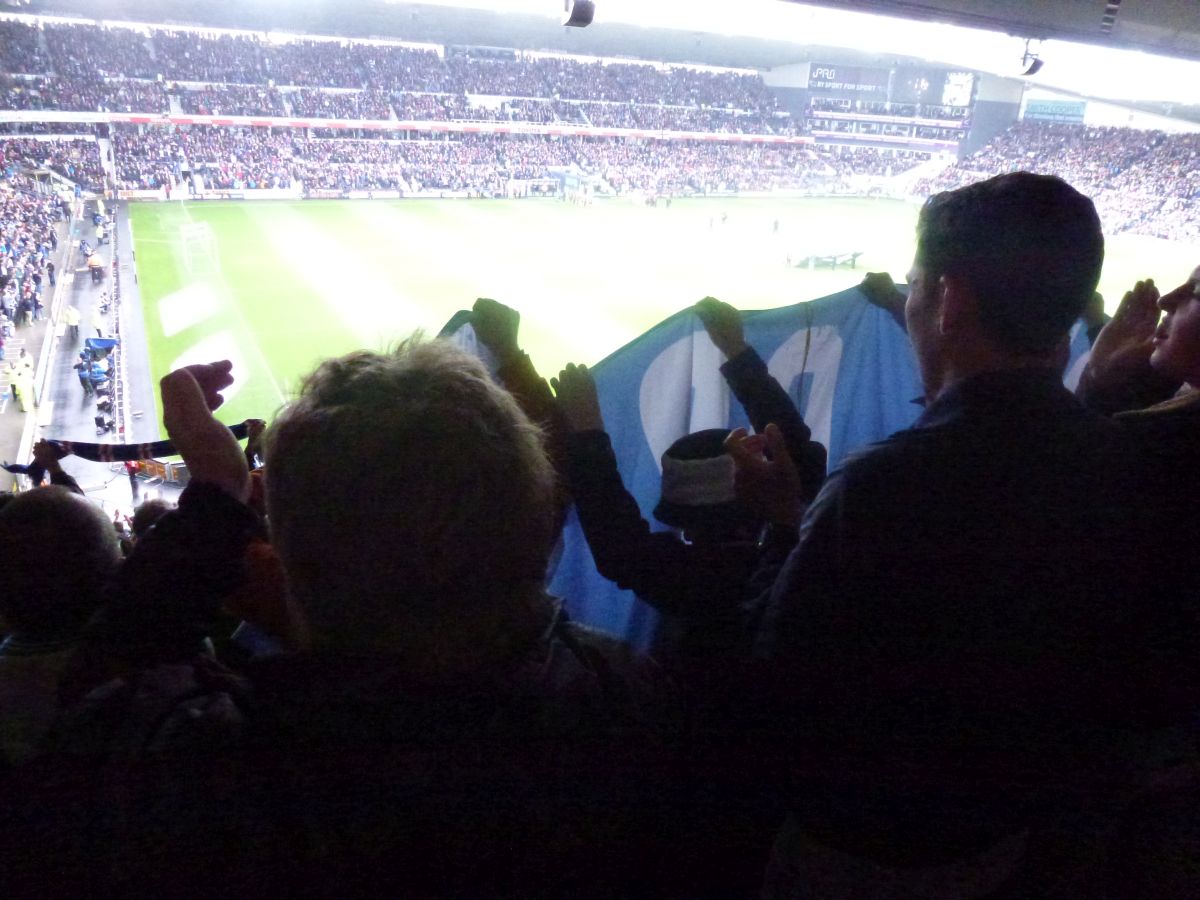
<point>166,712</point>
<point>608,655</point>
<point>621,687</point>
<point>886,455</point>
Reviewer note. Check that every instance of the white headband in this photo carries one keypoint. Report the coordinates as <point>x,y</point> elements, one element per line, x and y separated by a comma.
<point>698,482</point>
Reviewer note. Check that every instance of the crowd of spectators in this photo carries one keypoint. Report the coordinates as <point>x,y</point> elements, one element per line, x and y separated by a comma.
<point>438,108</point>
<point>20,93</point>
<point>79,95</point>
<point>483,164</point>
<point>1142,181</point>
<point>28,237</point>
<point>20,50</point>
<point>963,664</point>
<point>1091,157</point>
<point>544,112</point>
<point>189,56</point>
<point>364,104</point>
<point>1145,182</point>
<point>651,117</point>
<point>229,158</point>
<point>475,164</point>
<point>72,94</point>
<point>77,159</point>
<point>146,161</point>
<point>230,100</point>
<point>670,167</point>
<point>114,95</point>
<point>93,51</point>
<point>674,118</point>
<point>615,94</point>
<point>852,162</point>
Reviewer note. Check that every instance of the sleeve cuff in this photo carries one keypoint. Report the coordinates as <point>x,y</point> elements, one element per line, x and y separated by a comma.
<point>208,500</point>
<point>745,362</point>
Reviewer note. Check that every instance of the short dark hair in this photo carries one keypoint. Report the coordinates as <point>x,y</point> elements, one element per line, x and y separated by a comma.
<point>1029,246</point>
<point>59,551</point>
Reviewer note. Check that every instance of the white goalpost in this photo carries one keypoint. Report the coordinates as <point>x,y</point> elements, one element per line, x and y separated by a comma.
<point>199,243</point>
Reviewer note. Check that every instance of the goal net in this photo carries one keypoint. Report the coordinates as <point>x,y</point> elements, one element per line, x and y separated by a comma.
<point>199,244</point>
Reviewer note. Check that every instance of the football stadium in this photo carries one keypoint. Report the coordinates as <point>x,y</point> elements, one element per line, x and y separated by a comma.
<point>506,429</point>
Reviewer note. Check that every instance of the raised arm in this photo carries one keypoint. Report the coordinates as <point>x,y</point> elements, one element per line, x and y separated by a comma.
<point>763,398</point>
<point>657,566</point>
<point>497,327</point>
<point>880,290</point>
<point>1118,375</point>
<point>166,597</point>
<point>47,455</point>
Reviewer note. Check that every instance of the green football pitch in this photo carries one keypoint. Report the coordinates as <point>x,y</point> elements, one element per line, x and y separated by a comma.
<point>278,286</point>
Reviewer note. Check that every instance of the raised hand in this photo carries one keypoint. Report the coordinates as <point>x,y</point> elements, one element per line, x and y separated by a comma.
<point>881,291</point>
<point>496,327</point>
<point>723,324</point>
<point>47,455</point>
<point>255,429</point>
<point>575,395</point>
<point>1123,347</point>
<point>211,378</point>
<point>211,452</point>
<point>764,475</point>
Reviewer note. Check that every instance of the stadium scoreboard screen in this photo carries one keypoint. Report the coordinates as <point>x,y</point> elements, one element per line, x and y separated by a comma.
<point>933,87</point>
<point>959,89</point>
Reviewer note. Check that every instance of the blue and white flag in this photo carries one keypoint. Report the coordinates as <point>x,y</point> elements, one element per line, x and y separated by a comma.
<point>847,365</point>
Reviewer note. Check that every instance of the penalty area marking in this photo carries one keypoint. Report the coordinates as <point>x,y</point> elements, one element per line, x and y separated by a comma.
<point>230,303</point>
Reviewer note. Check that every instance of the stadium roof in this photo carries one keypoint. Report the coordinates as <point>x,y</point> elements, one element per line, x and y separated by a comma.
<point>1158,26</point>
<point>426,22</point>
<point>1169,27</point>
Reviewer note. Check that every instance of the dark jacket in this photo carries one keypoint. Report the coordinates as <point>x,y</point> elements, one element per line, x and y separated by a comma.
<point>766,402</point>
<point>692,580</point>
<point>1167,436</point>
<point>972,619</point>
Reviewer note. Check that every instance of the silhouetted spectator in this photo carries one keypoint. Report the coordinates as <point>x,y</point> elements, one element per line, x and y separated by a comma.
<point>60,550</point>
<point>967,642</point>
<point>445,726</point>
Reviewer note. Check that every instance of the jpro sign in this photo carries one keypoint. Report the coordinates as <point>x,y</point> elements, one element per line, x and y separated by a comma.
<point>847,79</point>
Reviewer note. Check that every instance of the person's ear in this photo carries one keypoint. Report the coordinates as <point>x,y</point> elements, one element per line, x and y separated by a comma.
<point>957,304</point>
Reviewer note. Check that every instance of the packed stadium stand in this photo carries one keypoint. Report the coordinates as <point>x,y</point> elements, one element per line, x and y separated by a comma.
<point>1143,181</point>
<point>77,160</point>
<point>479,164</point>
<point>28,238</point>
<point>1146,182</point>
<point>678,98</point>
<point>397,89</point>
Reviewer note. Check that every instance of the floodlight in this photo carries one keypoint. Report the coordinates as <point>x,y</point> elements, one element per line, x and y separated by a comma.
<point>579,13</point>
